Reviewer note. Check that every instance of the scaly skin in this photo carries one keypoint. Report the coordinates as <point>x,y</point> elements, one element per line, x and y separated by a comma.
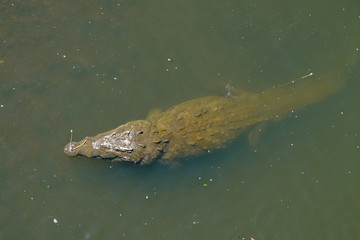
<point>200,125</point>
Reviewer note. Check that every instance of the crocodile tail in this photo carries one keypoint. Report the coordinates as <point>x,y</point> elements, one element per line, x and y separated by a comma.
<point>301,92</point>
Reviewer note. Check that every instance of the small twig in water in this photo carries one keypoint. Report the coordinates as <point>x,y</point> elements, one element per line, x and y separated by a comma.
<point>70,148</point>
<point>293,81</point>
<point>80,145</point>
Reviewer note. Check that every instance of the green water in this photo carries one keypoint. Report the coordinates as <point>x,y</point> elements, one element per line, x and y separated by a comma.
<point>93,65</point>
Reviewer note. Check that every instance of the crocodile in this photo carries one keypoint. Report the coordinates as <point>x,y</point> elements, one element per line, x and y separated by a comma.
<point>201,125</point>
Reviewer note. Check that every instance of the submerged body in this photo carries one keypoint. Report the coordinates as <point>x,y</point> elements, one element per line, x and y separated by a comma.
<point>200,125</point>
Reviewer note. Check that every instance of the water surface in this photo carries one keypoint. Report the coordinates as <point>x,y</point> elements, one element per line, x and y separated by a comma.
<point>93,65</point>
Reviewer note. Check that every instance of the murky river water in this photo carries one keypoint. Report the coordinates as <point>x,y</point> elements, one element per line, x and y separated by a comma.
<point>93,65</point>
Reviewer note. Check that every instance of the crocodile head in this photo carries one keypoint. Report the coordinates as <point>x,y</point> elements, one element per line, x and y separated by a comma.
<point>130,142</point>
